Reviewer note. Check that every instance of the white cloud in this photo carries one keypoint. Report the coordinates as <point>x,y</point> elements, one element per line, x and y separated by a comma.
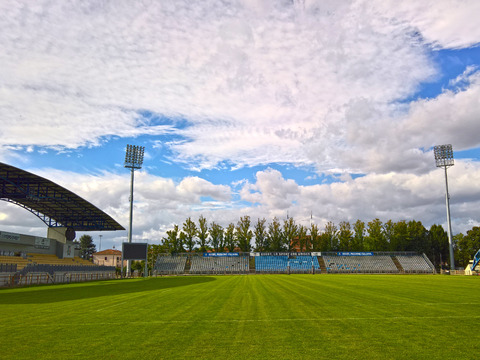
<point>444,24</point>
<point>246,83</point>
<point>160,203</point>
<point>258,83</point>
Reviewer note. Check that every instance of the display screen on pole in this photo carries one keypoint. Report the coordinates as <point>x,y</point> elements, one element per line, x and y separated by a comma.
<point>134,251</point>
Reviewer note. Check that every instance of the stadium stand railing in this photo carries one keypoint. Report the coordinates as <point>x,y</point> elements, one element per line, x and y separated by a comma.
<point>48,268</point>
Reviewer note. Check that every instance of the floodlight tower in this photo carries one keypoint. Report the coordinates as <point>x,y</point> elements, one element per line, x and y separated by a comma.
<point>133,161</point>
<point>444,158</point>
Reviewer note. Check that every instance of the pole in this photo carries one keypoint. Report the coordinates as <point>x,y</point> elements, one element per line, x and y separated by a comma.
<point>131,219</point>
<point>449,224</point>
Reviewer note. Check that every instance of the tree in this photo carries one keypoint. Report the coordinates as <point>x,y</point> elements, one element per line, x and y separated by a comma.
<point>289,233</point>
<point>439,252</point>
<point>330,237</point>
<point>202,233</point>
<point>358,236</point>
<point>260,232</point>
<point>243,234</point>
<point>399,240</point>
<point>216,236</point>
<point>417,237</point>
<point>230,237</point>
<point>275,236</point>
<point>190,230</point>
<point>468,246</point>
<point>345,236</point>
<point>302,239</point>
<point>375,239</point>
<point>389,233</point>
<point>173,242</point>
<point>87,247</point>
<point>314,238</point>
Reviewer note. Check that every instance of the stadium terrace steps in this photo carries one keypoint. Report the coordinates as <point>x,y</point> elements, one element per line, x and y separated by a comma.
<point>362,263</point>
<point>323,267</point>
<point>378,264</point>
<point>171,264</point>
<point>397,264</point>
<point>414,263</point>
<point>216,265</point>
<point>285,263</point>
<point>19,261</point>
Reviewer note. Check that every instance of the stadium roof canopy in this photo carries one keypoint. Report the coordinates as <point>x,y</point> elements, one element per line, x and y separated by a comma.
<point>53,204</point>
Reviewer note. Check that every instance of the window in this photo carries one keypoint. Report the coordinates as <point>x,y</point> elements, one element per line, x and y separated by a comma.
<point>106,258</point>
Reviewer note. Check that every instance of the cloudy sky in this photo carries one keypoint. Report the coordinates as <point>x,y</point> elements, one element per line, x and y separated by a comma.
<point>265,108</point>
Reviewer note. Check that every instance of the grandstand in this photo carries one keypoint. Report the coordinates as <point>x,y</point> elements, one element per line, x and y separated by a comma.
<point>380,264</point>
<point>238,264</point>
<point>170,265</point>
<point>294,263</point>
<point>68,269</point>
<point>415,263</point>
<point>290,263</point>
<point>44,269</point>
<point>64,213</point>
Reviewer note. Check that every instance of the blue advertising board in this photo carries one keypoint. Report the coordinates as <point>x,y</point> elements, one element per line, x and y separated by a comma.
<point>229,254</point>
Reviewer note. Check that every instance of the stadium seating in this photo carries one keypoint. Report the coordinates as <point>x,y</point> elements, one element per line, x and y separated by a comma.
<point>219,265</point>
<point>271,263</point>
<point>20,262</point>
<point>8,268</point>
<point>303,263</point>
<point>170,264</point>
<point>284,263</point>
<point>414,264</point>
<point>377,264</point>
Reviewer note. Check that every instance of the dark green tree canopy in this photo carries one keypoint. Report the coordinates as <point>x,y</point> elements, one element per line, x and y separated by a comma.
<point>87,247</point>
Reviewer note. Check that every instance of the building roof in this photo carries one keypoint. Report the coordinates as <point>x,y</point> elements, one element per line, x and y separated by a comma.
<point>53,204</point>
<point>109,252</point>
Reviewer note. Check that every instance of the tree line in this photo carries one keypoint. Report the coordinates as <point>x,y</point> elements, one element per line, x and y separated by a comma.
<point>287,235</point>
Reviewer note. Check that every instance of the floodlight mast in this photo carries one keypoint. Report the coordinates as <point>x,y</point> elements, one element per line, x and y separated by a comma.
<point>444,158</point>
<point>133,161</point>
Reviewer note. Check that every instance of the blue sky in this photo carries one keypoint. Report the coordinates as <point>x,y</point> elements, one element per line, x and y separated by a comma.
<point>258,108</point>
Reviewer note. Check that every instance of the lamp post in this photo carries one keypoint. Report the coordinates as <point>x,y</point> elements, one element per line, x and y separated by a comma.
<point>444,158</point>
<point>133,161</point>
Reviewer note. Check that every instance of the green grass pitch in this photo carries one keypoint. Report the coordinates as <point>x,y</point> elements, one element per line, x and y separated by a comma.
<point>245,317</point>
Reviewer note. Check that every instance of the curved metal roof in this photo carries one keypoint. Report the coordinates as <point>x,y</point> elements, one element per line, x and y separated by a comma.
<point>53,204</point>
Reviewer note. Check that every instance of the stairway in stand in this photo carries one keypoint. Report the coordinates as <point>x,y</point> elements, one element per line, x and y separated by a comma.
<point>323,267</point>
<point>398,265</point>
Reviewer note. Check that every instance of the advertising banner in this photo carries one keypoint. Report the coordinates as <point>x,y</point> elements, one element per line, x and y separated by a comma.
<point>42,243</point>
<point>355,253</point>
<point>294,253</point>
<point>9,237</point>
<point>229,254</point>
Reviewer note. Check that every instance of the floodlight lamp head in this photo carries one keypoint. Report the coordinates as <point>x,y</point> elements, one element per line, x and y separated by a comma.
<point>443,155</point>
<point>134,156</point>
